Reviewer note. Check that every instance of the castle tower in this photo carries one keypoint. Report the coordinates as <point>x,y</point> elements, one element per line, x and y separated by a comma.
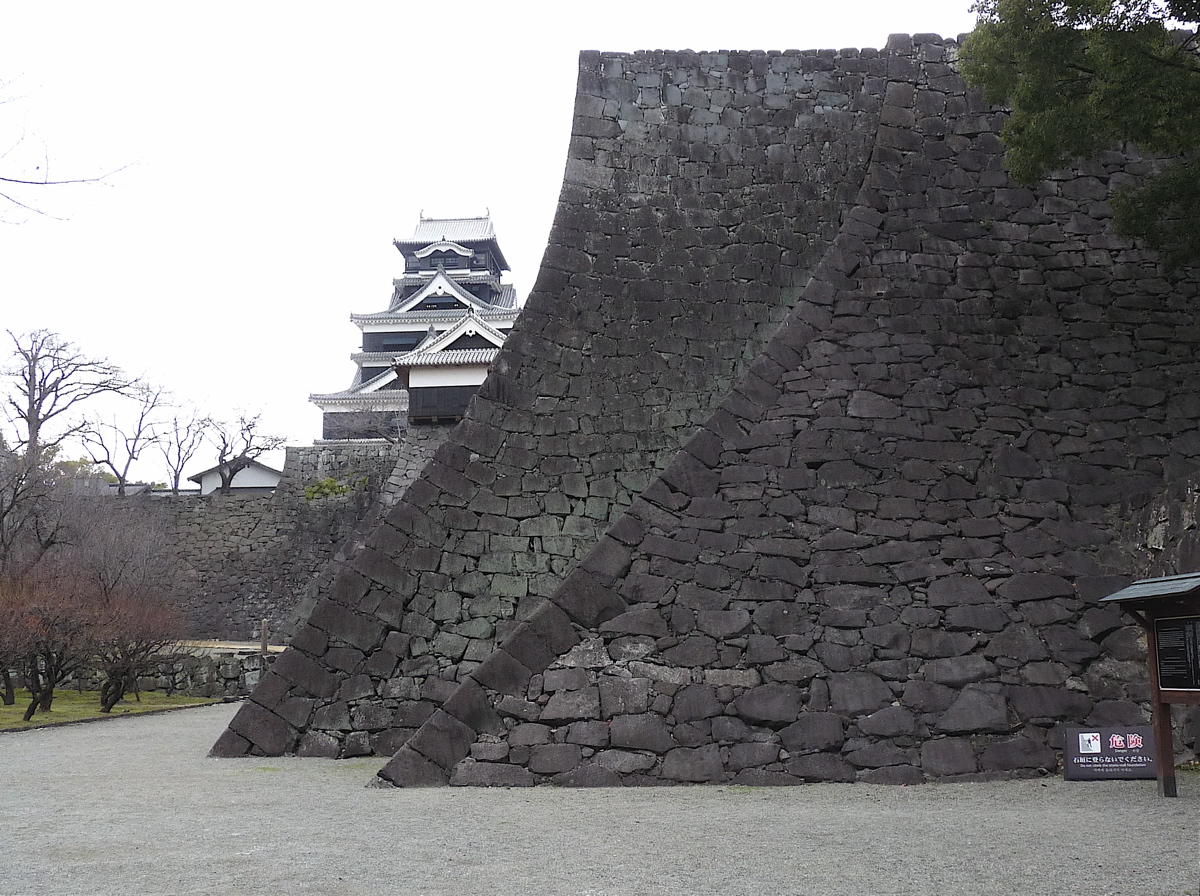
<point>424,357</point>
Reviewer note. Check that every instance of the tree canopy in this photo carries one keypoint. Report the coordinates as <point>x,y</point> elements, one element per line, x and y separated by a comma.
<point>1082,76</point>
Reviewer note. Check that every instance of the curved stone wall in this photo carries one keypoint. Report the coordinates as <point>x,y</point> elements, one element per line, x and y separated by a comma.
<point>815,434</point>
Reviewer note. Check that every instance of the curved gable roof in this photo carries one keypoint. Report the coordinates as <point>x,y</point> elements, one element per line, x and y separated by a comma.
<point>443,246</point>
<point>440,284</point>
<point>470,325</point>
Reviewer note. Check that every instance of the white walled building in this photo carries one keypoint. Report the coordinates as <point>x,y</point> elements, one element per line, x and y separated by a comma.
<point>255,479</point>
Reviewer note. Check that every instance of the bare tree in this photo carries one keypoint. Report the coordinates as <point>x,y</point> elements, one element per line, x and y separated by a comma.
<point>118,445</point>
<point>181,439</point>
<point>59,625</point>
<point>110,548</point>
<point>136,631</point>
<point>47,381</point>
<point>118,557</point>
<point>238,445</point>
<point>15,643</point>
<point>51,377</point>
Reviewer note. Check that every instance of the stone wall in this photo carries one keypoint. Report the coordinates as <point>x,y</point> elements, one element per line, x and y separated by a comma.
<point>807,459</point>
<point>245,559</point>
<point>195,672</point>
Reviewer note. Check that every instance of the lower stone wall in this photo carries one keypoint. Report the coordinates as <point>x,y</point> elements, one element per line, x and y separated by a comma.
<point>193,672</point>
<point>246,559</point>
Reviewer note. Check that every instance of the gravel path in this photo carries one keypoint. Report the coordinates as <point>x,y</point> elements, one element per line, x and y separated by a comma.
<point>134,806</point>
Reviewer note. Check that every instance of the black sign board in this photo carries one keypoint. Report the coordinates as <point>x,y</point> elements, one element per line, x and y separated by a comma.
<point>1178,642</point>
<point>1100,754</point>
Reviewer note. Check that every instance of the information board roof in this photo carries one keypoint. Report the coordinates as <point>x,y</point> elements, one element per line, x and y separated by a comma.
<point>1148,589</point>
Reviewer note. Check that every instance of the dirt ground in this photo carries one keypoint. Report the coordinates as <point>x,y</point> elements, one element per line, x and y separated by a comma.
<point>135,806</point>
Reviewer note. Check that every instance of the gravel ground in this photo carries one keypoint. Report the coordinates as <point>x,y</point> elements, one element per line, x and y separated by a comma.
<point>134,805</point>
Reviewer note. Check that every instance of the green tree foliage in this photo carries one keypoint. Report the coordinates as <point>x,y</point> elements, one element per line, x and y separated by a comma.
<point>1082,76</point>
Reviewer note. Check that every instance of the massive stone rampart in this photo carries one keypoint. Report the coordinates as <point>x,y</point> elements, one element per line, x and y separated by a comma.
<point>805,461</point>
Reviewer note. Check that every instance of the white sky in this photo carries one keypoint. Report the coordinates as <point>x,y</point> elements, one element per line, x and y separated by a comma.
<point>270,151</point>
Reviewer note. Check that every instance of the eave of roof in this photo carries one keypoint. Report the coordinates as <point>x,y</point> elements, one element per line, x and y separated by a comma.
<point>386,398</point>
<point>434,317</point>
<point>452,357</point>
<point>1154,589</point>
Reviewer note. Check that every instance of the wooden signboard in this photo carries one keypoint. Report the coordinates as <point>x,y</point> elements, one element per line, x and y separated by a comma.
<point>1168,609</point>
<point>1177,643</point>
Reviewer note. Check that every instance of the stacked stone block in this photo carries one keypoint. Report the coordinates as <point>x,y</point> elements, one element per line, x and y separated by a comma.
<point>683,538</point>
<point>246,559</point>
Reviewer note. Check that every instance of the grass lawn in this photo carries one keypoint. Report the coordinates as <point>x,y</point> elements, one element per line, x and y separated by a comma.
<point>73,706</point>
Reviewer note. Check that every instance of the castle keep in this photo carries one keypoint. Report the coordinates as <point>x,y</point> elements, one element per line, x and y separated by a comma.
<point>807,459</point>
<point>423,358</point>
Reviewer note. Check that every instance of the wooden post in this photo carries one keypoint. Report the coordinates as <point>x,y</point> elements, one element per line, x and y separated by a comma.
<point>265,634</point>
<point>1160,714</point>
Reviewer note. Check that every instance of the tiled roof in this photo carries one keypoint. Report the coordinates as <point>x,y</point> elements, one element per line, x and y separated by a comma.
<point>419,278</point>
<point>456,356</point>
<point>507,297</point>
<point>1148,589</point>
<point>431,230</point>
<point>383,398</point>
<point>448,316</point>
<point>457,230</point>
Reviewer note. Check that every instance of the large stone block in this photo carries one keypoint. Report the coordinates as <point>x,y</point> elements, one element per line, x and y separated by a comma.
<point>553,759</point>
<point>975,712</point>
<point>443,740</point>
<point>570,706</point>
<point>638,621</point>
<point>268,733</point>
<point>1017,753</point>
<point>694,764</point>
<point>824,767</point>
<point>854,693</point>
<point>775,703</point>
<point>590,774</point>
<point>891,721</point>
<point>694,702</point>
<point>813,731</point>
<point>623,696</point>
<point>410,769</point>
<point>304,672</point>
<point>641,732</point>
<point>586,600</point>
<point>958,670</point>
<point>1048,703</point>
<point>623,762</point>
<point>502,673</point>
<point>946,756</point>
<point>471,706</point>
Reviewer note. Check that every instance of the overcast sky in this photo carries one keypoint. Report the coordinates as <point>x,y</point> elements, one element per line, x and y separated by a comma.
<point>261,156</point>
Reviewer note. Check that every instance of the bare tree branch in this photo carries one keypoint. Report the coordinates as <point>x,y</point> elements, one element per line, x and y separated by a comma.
<point>45,383</point>
<point>51,377</point>
<point>117,446</point>
<point>181,439</point>
<point>238,445</point>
